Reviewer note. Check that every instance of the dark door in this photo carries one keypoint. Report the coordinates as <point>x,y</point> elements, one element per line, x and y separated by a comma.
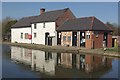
<point>105,38</point>
<point>74,60</point>
<point>82,38</point>
<point>74,39</point>
<point>113,42</point>
<point>50,41</point>
<point>58,38</point>
<point>46,38</point>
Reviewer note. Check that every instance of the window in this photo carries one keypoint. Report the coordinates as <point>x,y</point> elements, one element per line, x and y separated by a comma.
<point>87,36</point>
<point>69,38</point>
<point>26,35</point>
<point>21,35</point>
<point>43,25</point>
<point>96,34</point>
<point>35,35</point>
<point>35,26</point>
<point>64,38</point>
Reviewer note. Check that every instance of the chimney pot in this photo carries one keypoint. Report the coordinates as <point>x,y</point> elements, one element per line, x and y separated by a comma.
<point>42,10</point>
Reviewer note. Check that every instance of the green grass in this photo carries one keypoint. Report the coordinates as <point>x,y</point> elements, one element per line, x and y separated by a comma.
<point>113,49</point>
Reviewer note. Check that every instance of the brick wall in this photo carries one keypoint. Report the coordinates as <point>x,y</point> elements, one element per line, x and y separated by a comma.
<point>98,41</point>
<point>66,16</point>
<point>94,41</point>
<point>88,42</point>
<point>109,40</point>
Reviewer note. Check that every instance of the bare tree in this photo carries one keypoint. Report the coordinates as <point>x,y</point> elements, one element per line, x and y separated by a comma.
<point>6,26</point>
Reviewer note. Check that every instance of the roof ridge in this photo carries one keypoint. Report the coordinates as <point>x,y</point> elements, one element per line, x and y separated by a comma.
<point>29,17</point>
<point>44,12</point>
<point>57,10</point>
<point>86,17</point>
<point>62,24</point>
<point>105,25</point>
<point>66,9</point>
<point>93,18</point>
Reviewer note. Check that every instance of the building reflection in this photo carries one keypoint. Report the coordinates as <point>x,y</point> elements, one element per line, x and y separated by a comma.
<point>38,60</point>
<point>62,64</point>
<point>83,65</point>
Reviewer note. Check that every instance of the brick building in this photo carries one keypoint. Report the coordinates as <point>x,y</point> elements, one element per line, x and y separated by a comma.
<point>88,32</point>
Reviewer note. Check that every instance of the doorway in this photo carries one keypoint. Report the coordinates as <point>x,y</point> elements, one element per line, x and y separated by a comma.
<point>46,38</point>
<point>82,39</point>
<point>105,38</point>
<point>74,39</point>
<point>58,38</point>
<point>50,41</point>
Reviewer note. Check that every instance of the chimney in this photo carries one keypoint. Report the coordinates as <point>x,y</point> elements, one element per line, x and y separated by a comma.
<point>42,10</point>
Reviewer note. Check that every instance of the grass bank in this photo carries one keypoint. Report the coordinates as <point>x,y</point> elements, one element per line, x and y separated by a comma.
<point>114,52</point>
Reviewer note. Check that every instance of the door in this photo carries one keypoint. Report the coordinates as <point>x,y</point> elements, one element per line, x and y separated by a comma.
<point>74,39</point>
<point>82,39</point>
<point>46,38</point>
<point>58,38</point>
<point>50,41</point>
<point>105,38</point>
<point>113,41</point>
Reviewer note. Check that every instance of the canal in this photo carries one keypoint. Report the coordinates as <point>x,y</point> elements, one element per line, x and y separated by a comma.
<point>18,62</point>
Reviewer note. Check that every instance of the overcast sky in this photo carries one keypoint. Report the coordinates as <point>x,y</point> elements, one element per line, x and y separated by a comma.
<point>105,11</point>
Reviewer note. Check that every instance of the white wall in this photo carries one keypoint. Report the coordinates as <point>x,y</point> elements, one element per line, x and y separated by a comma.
<point>16,35</point>
<point>40,31</point>
<point>54,39</point>
<point>40,39</point>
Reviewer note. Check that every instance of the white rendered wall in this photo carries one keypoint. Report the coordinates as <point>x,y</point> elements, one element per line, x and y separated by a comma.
<point>40,39</point>
<point>54,39</point>
<point>16,35</point>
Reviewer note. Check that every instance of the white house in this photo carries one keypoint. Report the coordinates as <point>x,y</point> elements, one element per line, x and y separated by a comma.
<point>40,29</point>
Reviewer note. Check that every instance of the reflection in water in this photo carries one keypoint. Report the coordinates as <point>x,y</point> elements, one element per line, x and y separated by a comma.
<point>62,64</point>
<point>39,60</point>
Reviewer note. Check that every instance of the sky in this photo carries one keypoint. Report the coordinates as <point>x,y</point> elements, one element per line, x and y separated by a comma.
<point>60,0</point>
<point>105,11</point>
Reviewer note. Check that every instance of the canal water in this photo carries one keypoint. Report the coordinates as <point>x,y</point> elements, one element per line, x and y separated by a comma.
<point>20,62</point>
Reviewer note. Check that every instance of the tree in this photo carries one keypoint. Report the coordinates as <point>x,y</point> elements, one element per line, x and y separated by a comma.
<point>6,26</point>
<point>115,28</point>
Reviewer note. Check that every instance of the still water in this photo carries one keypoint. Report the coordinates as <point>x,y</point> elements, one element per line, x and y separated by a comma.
<point>20,62</point>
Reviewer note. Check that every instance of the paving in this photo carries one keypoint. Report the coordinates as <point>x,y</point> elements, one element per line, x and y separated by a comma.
<point>65,49</point>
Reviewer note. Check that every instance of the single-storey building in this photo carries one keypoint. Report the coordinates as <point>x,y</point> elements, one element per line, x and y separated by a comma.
<point>40,29</point>
<point>88,32</point>
<point>115,41</point>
